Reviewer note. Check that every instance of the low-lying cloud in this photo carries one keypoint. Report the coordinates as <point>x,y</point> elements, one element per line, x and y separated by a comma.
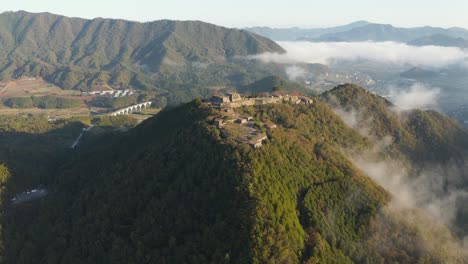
<point>427,190</point>
<point>418,96</point>
<point>389,52</point>
<point>294,72</point>
<point>435,189</point>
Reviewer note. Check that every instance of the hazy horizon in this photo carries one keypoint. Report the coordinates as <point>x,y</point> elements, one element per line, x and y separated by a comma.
<point>299,13</point>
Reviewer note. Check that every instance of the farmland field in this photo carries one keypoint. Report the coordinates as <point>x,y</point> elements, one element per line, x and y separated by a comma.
<point>32,86</point>
<point>28,86</point>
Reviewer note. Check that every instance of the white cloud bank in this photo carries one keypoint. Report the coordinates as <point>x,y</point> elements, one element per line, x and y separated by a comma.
<point>390,52</point>
<point>294,72</point>
<point>424,191</point>
<point>418,96</point>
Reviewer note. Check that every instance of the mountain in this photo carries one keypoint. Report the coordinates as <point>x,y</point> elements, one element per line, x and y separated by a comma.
<point>440,40</point>
<point>420,137</point>
<point>293,34</point>
<point>180,189</point>
<point>374,32</point>
<point>380,32</point>
<point>385,32</point>
<point>366,31</point>
<point>76,53</point>
<point>274,83</point>
<point>418,73</point>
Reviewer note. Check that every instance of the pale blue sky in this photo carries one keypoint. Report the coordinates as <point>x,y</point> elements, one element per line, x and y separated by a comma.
<point>241,13</point>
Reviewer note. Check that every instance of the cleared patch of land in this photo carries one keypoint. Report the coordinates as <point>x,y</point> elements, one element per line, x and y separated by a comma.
<point>33,86</point>
<point>30,86</point>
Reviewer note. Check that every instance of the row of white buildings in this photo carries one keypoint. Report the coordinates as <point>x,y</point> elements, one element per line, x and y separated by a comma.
<point>110,93</point>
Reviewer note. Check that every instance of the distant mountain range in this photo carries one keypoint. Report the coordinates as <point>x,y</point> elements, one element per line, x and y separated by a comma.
<point>295,33</point>
<point>76,53</point>
<point>440,40</point>
<point>366,31</point>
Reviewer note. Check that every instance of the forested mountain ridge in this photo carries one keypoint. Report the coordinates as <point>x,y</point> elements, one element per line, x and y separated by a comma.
<point>175,190</point>
<point>424,135</point>
<point>76,53</point>
<point>271,83</point>
<point>431,148</point>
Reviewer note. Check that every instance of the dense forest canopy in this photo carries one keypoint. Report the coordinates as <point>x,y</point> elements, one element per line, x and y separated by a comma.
<point>76,53</point>
<point>44,102</point>
<point>280,174</point>
<point>175,190</point>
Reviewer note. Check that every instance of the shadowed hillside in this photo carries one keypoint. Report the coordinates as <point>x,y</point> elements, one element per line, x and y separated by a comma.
<point>274,83</point>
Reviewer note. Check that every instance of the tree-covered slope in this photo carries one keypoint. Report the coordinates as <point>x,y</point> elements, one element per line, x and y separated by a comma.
<point>422,135</point>
<point>274,83</point>
<point>33,148</point>
<point>78,53</point>
<point>428,148</point>
<point>173,190</point>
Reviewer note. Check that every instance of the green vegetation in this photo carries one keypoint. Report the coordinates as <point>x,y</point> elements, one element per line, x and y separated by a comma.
<point>33,147</point>
<point>116,121</point>
<point>203,224</point>
<point>4,175</point>
<point>421,136</point>
<point>75,53</point>
<point>44,102</point>
<point>111,102</point>
<point>419,140</point>
<point>172,190</point>
<point>307,191</point>
<point>273,84</point>
<point>19,102</point>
